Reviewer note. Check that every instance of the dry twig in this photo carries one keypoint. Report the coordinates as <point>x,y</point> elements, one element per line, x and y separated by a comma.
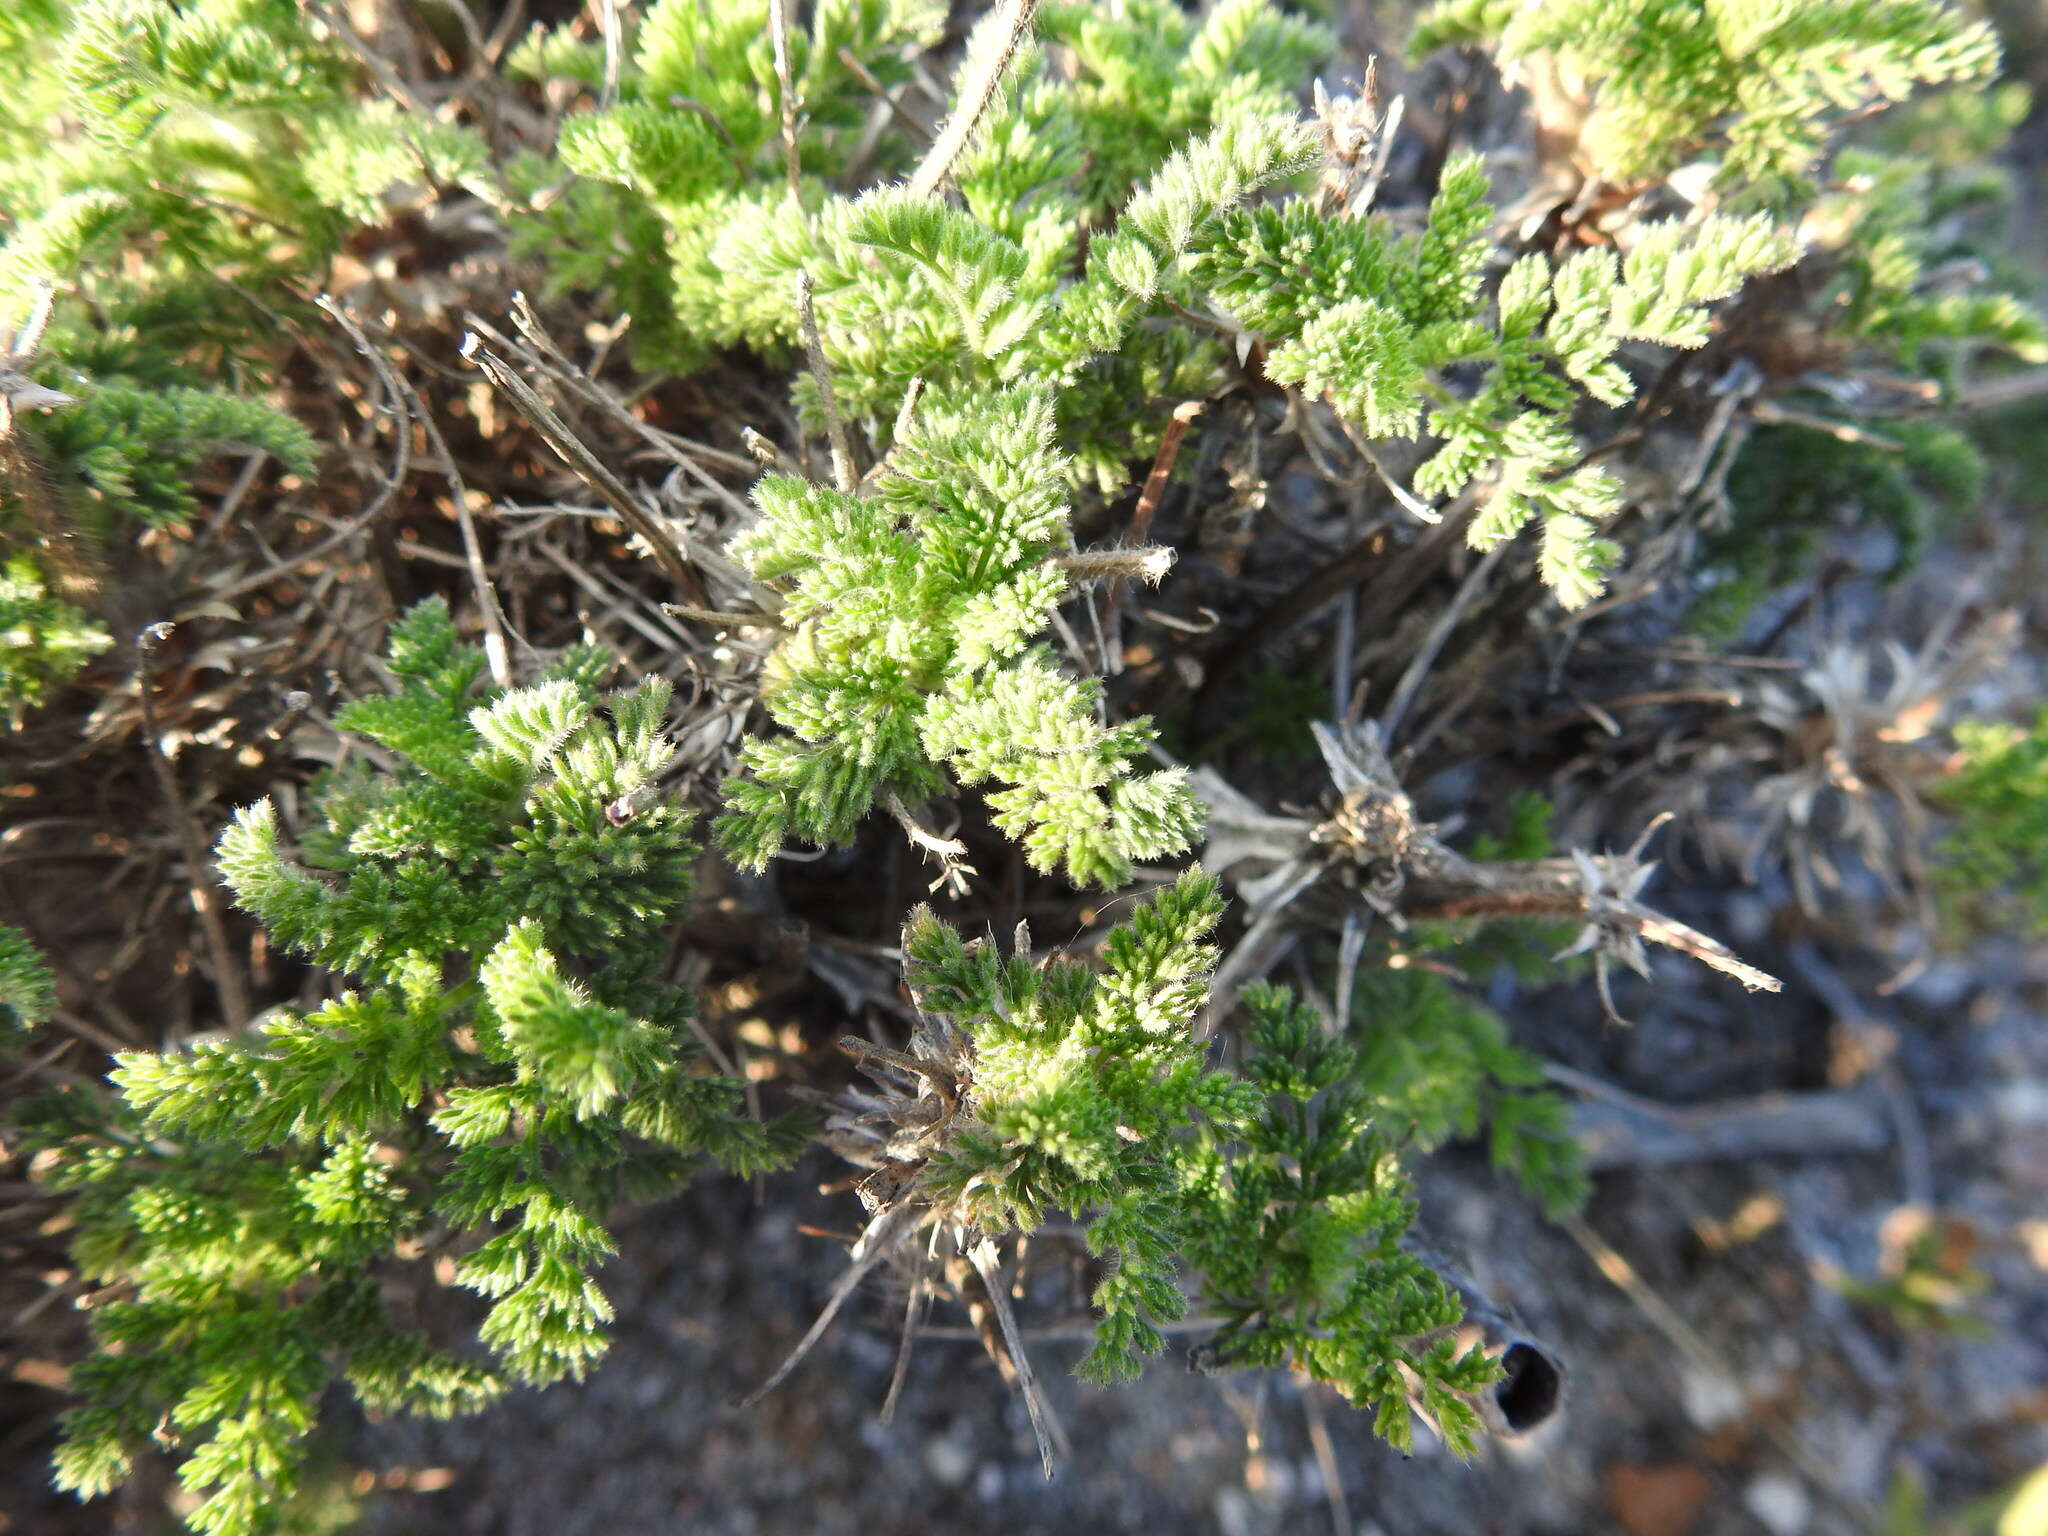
<point>1014,18</point>
<point>668,554</point>
<point>206,893</point>
<point>1140,528</point>
<point>843,474</point>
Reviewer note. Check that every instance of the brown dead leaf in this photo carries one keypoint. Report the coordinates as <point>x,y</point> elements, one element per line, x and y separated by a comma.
<point>1657,1501</point>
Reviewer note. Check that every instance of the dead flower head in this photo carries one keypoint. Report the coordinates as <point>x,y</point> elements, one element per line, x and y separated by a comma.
<point>1855,754</point>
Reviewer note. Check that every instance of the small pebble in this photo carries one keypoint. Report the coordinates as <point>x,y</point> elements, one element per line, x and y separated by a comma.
<point>1780,1502</point>
<point>1234,1512</point>
<point>949,1461</point>
<point>1711,1399</point>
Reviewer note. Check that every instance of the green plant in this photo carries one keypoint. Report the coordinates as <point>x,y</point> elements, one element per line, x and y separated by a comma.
<point>912,611</point>
<point>1436,1066</point>
<point>27,992</point>
<point>512,1063</point>
<point>1909,237</point>
<point>1363,318</point>
<point>102,462</point>
<point>994,331</point>
<point>654,185</point>
<point>182,175</point>
<point>1895,229</point>
<point>1297,1231</point>
<point>912,292</point>
<point>221,146</point>
<point>1789,486</point>
<point>1086,1091</point>
<point>43,639</point>
<point>909,288</point>
<point>1995,858</point>
<point>1756,86</point>
<point>129,453</point>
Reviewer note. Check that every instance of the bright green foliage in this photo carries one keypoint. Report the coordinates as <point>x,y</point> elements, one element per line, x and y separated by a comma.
<point>1089,1094</point>
<point>1367,319</point>
<point>1296,1230</point>
<point>913,613</point>
<point>28,993</point>
<point>1890,224</point>
<point>375,151</point>
<point>129,453</point>
<point>186,170</point>
<point>1994,862</point>
<point>179,166</point>
<point>512,1062</point>
<point>43,639</point>
<point>694,144</point>
<point>1086,1087</point>
<point>181,173</point>
<point>1436,1066</point>
<point>220,139</point>
<point>1149,78</point>
<point>966,301</point>
<point>223,137</point>
<point>960,299</point>
<point>1759,83</point>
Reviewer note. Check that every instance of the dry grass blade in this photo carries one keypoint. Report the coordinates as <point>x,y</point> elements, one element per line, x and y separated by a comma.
<point>495,650</point>
<point>778,36</point>
<point>1043,1423</point>
<point>888,1228</point>
<point>1012,21</point>
<point>1672,934</point>
<point>843,473</point>
<point>913,1313</point>
<point>206,892</point>
<point>1140,529</point>
<point>866,77</point>
<point>555,432</point>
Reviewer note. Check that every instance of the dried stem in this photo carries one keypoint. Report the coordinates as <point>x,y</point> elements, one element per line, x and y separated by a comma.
<point>913,1312</point>
<point>778,34</point>
<point>1549,888</point>
<point>987,64</point>
<point>889,1228</point>
<point>496,651</point>
<point>206,893</point>
<point>1043,1425</point>
<point>1327,1469</point>
<point>555,432</point>
<point>1433,642</point>
<point>1140,528</point>
<point>866,77</point>
<point>1148,563</point>
<point>949,853</point>
<point>608,24</point>
<point>843,474</point>
<point>728,617</point>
